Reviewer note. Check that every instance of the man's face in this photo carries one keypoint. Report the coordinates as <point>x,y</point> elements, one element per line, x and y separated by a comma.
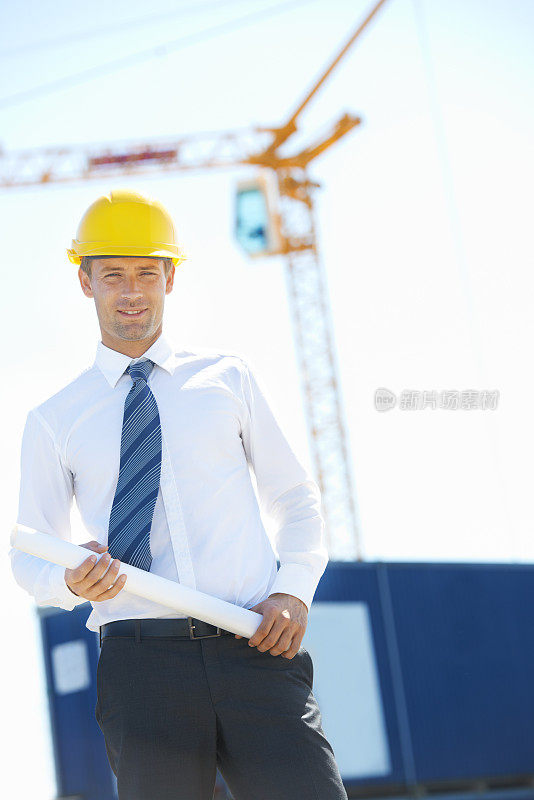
<point>128,283</point>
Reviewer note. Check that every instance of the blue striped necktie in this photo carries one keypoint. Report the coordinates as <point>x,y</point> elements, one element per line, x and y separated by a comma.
<point>139,473</point>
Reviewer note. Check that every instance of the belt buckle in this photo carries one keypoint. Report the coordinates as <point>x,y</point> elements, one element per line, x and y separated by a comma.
<point>202,636</point>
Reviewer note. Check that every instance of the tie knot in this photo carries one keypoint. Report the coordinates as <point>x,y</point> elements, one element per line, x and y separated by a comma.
<point>140,370</point>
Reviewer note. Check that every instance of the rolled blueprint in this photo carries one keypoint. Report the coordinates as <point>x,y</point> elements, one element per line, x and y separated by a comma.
<point>142,583</point>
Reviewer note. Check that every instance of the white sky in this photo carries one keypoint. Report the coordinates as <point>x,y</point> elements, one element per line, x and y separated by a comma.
<point>425,230</point>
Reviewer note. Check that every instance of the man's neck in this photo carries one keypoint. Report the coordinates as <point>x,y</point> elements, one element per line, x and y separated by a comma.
<point>131,349</point>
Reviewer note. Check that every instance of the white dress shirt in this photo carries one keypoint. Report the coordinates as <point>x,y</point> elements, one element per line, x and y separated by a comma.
<point>219,437</point>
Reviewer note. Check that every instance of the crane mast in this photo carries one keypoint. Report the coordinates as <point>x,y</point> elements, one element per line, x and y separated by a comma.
<point>313,333</point>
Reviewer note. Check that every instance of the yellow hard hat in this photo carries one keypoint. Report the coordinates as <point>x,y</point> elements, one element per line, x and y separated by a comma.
<point>125,223</point>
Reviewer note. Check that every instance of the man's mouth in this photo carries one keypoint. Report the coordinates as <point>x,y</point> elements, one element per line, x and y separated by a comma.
<point>132,313</point>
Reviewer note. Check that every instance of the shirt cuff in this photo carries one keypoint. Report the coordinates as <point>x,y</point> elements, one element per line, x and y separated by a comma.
<point>61,592</point>
<point>297,580</point>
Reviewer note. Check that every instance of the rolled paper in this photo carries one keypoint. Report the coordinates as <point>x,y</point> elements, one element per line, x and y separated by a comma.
<point>142,583</point>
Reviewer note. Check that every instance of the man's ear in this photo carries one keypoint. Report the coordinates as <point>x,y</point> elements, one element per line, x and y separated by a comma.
<point>170,280</point>
<point>85,282</point>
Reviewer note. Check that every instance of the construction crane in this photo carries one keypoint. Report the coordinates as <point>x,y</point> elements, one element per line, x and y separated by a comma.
<point>289,197</point>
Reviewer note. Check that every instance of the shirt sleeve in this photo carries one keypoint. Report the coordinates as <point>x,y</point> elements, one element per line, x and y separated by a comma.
<point>286,493</point>
<point>45,500</point>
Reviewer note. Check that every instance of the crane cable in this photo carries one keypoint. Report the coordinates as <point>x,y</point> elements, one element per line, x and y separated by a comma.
<point>458,241</point>
<point>145,55</point>
<point>104,30</point>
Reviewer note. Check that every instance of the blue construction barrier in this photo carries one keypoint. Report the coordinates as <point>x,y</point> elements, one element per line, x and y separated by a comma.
<point>423,673</point>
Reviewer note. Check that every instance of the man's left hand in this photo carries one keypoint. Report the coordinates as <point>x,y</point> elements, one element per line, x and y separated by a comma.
<point>283,626</point>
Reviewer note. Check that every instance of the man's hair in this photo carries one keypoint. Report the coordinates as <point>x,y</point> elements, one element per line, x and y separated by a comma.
<point>87,262</point>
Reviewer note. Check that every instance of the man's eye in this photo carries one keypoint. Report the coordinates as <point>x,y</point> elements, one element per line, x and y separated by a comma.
<point>112,274</point>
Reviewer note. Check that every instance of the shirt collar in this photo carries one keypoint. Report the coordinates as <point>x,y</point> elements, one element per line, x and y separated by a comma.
<point>113,364</point>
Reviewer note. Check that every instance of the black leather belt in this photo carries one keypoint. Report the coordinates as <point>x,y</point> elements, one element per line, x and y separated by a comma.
<point>144,628</point>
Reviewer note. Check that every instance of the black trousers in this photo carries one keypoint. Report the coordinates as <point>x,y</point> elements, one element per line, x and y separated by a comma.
<point>172,710</point>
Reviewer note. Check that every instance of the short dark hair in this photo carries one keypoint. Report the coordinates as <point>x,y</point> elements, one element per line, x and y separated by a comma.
<point>87,262</point>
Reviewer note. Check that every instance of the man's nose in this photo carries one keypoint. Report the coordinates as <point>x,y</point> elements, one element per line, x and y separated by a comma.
<point>132,288</point>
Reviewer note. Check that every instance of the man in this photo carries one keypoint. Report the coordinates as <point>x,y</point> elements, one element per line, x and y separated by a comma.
<point>159,447</point>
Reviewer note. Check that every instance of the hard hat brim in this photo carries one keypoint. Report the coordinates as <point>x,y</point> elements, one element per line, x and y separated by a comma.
<point>80,249</point>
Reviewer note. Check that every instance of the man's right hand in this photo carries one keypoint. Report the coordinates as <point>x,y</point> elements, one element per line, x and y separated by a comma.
<point>95,581</point>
